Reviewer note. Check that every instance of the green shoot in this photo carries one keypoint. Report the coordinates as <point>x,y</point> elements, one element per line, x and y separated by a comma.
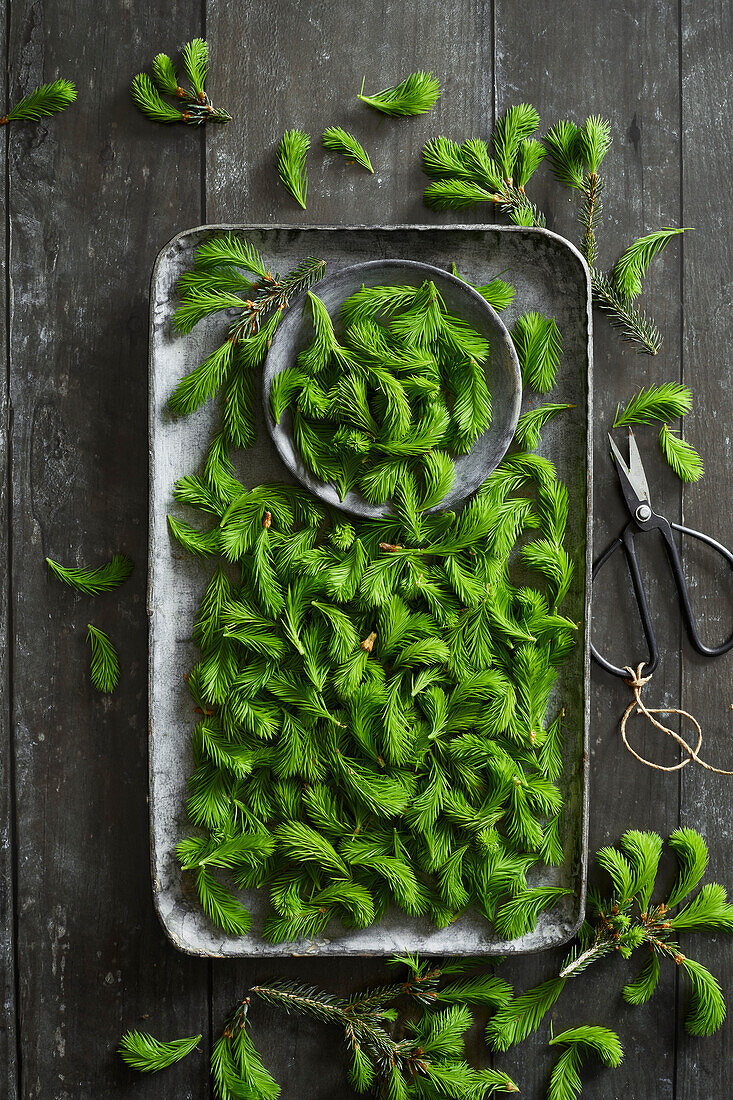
<point>681,455</point>
<point>48,99</point>
<point>416,94</point>
<point>538,345</point>
<point>601,1041</point>
<point>531,423</point>
<point>663,402</point>
<point>105,667</point>
<point>338,140</point>
<point>105,578</point>
<point>632,266</point>
<point>291,154</point>
<point>147,1054</point>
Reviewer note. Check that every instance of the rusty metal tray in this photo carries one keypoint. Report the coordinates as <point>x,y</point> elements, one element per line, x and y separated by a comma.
<point>550,276</point>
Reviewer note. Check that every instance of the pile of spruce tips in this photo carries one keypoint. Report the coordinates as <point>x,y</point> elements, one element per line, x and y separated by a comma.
<point>373,696</point>
<point>384,410</point>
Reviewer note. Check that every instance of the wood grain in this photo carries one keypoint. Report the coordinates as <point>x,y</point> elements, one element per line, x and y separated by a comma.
<point>8,972</point>
<point>707,686</point>
<point>93,194</point>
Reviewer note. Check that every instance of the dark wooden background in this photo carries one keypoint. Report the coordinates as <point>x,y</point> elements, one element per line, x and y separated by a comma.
<point>90,197</point>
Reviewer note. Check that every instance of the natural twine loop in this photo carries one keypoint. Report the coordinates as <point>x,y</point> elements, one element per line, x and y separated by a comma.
<point>636,682</point>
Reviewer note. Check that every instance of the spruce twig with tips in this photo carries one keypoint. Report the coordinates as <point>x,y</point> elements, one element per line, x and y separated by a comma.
<point>192,105</point>
<point>498,173</point>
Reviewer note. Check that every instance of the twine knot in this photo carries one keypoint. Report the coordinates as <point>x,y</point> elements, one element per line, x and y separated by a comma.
<point>636,682</point>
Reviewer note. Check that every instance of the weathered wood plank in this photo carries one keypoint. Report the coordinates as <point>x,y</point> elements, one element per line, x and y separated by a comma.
<point>8,1034</point>
<point>618,60</point>
<point>707,686</point>
<point>93,194</point>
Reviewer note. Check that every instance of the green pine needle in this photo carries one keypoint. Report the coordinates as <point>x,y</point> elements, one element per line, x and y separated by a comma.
<point>594,141</point>
<point>148,100</point>
<point>105,578</point>
<point>195,57</point>
<point>563,145</point>
<point>565,1080</point>
<point>631,268</point>
<point>531,423</point>
<point>48,99</point>
<point>456,194</point>
<point>663,402</point>
<point>147,1054</point>
<point>681,455</point>
<point>415,95</point>
<point>338,140</point>
<point>538,343</point>
<point>164,74</point>
<point>105,667</point>
<point>291,154</point>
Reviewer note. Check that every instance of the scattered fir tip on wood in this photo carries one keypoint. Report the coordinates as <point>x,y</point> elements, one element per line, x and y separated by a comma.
<point>105,666</point>
<point>146,1054</point>
<point>632,266</point>
<point>47,99</point>
<point>103,578</point>
<point>338,140</point>
<point>191,104</point>
<point>472,173</point>
<point>665,401</point>
<point>625,919</point>
<point>565,1081</point>
<point>415,95</point>
<point>291,155</point>
<point>681,455</point>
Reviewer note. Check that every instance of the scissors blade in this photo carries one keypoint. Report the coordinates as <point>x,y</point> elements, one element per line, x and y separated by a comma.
<point>636,469</point>
<point>631,475</point>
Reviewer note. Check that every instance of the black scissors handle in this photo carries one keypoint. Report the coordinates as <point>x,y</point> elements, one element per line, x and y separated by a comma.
<point>626,540</point>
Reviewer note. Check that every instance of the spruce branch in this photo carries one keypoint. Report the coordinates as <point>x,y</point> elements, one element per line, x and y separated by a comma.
<point>47,99</point>
<point>291,154</point>
<point>338,140</point>
<point>465,174</point>
<point>191,105</point>
<point>92,582</point>
<point>415,95</point>
<point>105,667</point>
<point>146,1054</point>
<point>627,919</point>
<point>623,315</point>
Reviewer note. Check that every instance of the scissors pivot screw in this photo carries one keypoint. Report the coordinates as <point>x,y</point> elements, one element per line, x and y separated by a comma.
<point>643,512</point>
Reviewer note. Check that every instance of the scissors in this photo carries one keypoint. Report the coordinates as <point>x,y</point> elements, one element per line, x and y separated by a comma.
<point>644,518</point>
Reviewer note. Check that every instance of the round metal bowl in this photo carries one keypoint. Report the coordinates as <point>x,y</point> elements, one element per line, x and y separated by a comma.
<point>295,332</point>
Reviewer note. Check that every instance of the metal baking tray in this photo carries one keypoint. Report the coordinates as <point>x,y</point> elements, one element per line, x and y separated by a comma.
<point>550,276</point>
